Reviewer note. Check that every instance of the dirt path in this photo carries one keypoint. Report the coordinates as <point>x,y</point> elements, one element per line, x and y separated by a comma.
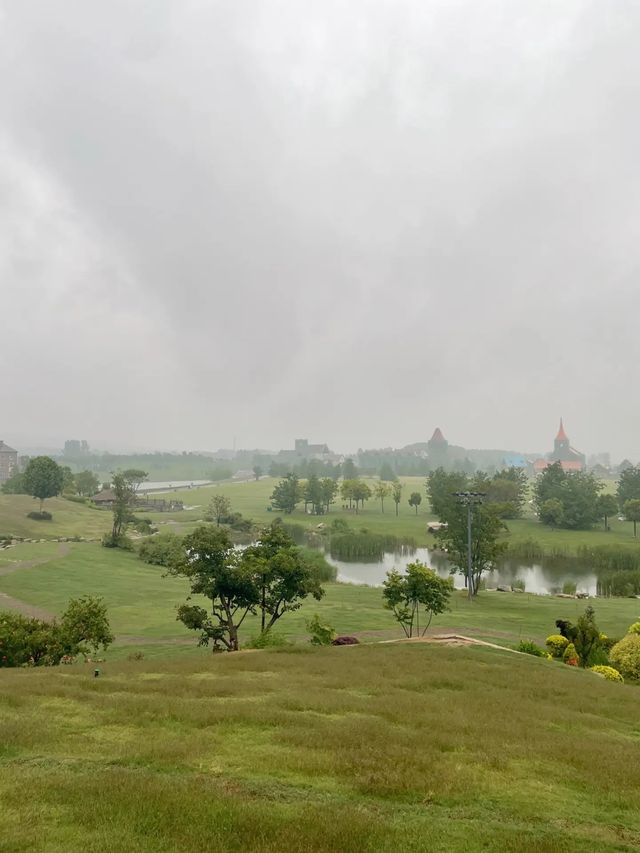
<point>18,566</point>
<point>7,602</point>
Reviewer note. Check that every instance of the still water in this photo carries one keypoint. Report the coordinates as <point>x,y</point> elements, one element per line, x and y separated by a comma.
<point>543,578</point>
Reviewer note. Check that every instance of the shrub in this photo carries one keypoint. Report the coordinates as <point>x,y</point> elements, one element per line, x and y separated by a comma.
<point>345,641</point>
<point>267,640</point>
<point>569,588</point>
<point>320,568</point>
<point>625,656</point>
<point>608,672</point>
<point>570,656</point>
<point>322,634</point>
<point>518,583</point>
<point>634,629</point>
<point>160,550</point>
<point>530,648</point>
<point>556,644</point>
<point>111,541</point>
<point>40,516</point>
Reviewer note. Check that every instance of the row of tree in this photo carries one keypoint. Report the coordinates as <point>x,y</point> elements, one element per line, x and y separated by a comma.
<point>43,478</point>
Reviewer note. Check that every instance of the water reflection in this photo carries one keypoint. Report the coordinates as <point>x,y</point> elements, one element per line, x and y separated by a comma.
<point>545,577</point>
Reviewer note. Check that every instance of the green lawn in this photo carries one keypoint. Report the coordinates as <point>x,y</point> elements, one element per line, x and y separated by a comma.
<point>69,518</point>
<point>142,602</point>
<point>358,750</point>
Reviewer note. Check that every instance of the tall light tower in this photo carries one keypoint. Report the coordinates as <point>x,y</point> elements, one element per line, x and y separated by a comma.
<point>469,499</point>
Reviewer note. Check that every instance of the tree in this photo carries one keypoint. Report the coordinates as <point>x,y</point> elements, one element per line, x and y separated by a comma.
<point>632,513</point>
<point>123,486</point>
<point>507,489</point>
<point>43,478</point>
<point>218,509</point>
<point>68,481</point>
<point>628,488</point>
<point>87,483</point>
<point>552,512</point>
<point>284,577</point>
<point>441,488</point>
<point>215,570</point>
<point>135,477</point>
<point>347,489</point>
<point>361,493</point>
<point>329,489</point>
<point>607,506</point>
<point>313,494</point>
<point>387,473</point>
<point>577,491</point>
<point>396,494</point>
<point>405,594</point>
<point>381,491</point>
<point>415,499</point>
<point>85,625</point>
<point>286,494</point>
<point>257,471</point>
<point>349,470</point>
<point>15,485</point>
<point>587,639</point>
<point>486,548</point>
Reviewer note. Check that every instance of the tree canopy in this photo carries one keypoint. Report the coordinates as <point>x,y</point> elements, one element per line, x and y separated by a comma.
<point>576,491</point>
<point>418,588</point>
<point>43,478</point>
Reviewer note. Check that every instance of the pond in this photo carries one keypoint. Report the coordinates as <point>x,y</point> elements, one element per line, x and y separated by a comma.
<point>543,577</point>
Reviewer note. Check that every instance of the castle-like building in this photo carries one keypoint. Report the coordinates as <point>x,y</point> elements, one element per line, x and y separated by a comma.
<point>570,458</point>
<point>8,462</point>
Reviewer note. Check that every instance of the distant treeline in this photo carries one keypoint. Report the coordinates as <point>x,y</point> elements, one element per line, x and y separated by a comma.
<point>159,466</point>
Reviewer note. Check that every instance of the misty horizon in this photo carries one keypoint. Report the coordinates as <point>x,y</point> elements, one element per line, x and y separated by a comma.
<point>259,222</point>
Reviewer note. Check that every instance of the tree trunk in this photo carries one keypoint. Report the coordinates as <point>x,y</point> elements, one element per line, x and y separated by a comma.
<point>416,509</point>
<point>382,503</point>
<point>634,528</point>
<point>396,507</point>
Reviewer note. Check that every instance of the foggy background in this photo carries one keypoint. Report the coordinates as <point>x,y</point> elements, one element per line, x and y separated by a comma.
<point>351,221</point>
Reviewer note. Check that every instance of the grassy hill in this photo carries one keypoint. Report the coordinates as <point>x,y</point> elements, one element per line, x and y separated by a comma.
<point>141,602</point>
<point>370,748</point>
<point>69,518</point>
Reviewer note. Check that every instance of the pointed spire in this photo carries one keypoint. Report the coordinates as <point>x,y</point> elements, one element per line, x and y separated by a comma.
<point>562,436</point>
<point>437,437</point>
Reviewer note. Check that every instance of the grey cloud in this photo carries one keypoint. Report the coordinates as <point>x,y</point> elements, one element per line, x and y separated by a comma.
<point>348,220</point>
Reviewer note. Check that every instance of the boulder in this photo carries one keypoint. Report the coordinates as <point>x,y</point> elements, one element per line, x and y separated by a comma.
<point>345,641</point>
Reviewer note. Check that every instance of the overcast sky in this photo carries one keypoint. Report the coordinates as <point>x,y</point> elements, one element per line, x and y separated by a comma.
<point>351,221</point>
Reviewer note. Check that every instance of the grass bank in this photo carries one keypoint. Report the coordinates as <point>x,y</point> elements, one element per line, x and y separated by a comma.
<point>360,749</point>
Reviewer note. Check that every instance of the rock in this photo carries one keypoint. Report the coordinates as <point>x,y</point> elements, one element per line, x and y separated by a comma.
<point>503,588</point>
<point>345,641</point>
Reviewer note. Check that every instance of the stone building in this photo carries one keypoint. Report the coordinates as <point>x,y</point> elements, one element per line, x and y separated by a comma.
<point>8,461</point>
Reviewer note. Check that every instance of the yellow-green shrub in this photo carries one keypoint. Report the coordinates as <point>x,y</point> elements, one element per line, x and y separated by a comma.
<point>625,656</point>
<point>608,672</point>
<point>634,629</point>
<point>556,644</point>
<point>570,655</point>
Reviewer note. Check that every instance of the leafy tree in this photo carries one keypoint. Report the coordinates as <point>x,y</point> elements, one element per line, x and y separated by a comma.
<point>257,471</point>
<point>552,512</point>
<point>361,493</point>
<point>347,490</point>
<point>135,478</point>
<point>87,483</point>
<point>396,494</point>
<point>632,513</point>
<point>587,639</point>
<point>215,570</point>
<point>329,489</point>
<point>415,499</point>
<point>218,509</point>
<point>313,494</point>
<point>381,491</point>
<point>628,488</point>
<point>161,550</point>
<point>420,587</point>
<point>441,488</point>
<point>284,576</point>
<point>287,494</point>
<point>32,642</point>
<point>68,481</point>
<point>507,489</point>
<point>123,486</point>
<point>387,473</point>
<point>577,492</point>
<point>486,547</point>
<point>349,470</point>
<point>43,478</point>
<point>607,506</point>
<point>14,485</point>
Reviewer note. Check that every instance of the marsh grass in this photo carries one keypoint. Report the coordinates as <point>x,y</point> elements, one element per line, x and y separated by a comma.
<point>365,748</point>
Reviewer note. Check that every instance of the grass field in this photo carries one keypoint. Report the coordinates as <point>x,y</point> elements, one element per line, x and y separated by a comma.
<point>141,602</point>
<point>69,518</point>
<point>372,748</point>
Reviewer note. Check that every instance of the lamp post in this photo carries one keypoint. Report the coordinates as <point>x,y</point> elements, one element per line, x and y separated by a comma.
<point>469,499</point>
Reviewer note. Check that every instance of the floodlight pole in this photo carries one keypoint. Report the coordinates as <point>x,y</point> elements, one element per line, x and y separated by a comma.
<point>468,499</point>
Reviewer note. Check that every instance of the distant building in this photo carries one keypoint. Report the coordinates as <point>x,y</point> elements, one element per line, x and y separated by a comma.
<point>304,450</point>
<point>437,449</point>
<point>8,462</point>
<point>567,456</point>
<point>75,448</point>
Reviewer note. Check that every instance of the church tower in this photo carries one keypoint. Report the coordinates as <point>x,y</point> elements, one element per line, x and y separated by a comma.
<point>561,445</point>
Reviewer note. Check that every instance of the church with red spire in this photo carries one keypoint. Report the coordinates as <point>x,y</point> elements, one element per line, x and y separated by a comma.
<point>570,458</point>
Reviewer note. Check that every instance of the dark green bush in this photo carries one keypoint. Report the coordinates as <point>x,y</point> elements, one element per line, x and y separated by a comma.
<point>530,648</point>
<point>40,516</point>
<point>160,550</point>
